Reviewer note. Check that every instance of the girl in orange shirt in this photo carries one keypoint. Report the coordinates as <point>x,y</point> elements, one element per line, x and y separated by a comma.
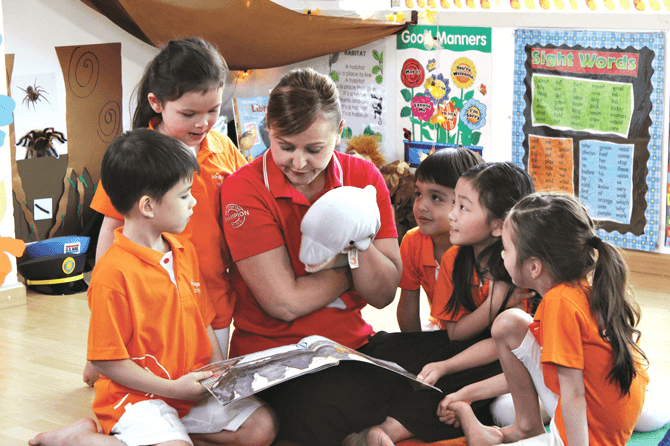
<point>472,285</point>
<point>579,353</point>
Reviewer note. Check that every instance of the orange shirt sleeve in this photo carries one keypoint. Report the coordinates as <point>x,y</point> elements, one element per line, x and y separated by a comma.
<point>411,261</point>
<point>103,204</point>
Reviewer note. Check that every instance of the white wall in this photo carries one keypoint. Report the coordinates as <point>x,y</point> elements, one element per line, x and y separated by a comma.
<point>34,27</point>
<point>6,221</point>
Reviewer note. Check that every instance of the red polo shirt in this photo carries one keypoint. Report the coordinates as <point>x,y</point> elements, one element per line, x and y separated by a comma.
<point>263,211</point>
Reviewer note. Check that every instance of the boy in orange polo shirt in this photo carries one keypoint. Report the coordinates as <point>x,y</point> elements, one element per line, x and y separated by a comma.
<point>151,315</point>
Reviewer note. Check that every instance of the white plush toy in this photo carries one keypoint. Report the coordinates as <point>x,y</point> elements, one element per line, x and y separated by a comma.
<point>341,221</point>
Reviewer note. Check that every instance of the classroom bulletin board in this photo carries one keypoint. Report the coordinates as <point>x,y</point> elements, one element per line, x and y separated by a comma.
<point>444,97</point>
<point>588,120</point>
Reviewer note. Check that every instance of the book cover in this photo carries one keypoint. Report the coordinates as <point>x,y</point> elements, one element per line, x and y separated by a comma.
<point>252,134</point>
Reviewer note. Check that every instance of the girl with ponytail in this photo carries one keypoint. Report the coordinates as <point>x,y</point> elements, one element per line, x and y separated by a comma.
<point>579,353</point>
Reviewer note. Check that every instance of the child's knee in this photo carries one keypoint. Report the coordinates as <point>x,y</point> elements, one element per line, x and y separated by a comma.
<point>261,428</point>
<point>510,322</point>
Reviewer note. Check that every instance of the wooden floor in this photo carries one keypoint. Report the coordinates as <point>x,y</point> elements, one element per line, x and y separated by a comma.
<point>43,350</point>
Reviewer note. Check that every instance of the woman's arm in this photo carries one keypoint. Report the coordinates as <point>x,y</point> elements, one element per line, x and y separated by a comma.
<point>407,313</point>
<point>271,279</point>
<point>129,374</point>
<point>106,236</point>
<point>483,352</point>
<point>573,405</point>
<point>376,279</point>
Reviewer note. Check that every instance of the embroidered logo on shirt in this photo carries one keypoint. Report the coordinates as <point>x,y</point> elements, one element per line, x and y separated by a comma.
<point>196,286</point>
<point>217,176</point>
<point>235,215</point>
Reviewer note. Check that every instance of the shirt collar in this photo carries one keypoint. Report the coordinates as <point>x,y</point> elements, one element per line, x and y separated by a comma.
<point>428,252</point>
<point>148,255</point>
<point>153,123</point>
<point>280,187</point>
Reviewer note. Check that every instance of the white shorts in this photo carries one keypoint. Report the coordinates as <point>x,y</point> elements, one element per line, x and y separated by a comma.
<point>549,439</point>
<point>530,354</point>
<point>154,421</point>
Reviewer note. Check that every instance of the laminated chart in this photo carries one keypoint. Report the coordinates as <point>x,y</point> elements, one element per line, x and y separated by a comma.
<point>606,176</point>
<point>444,98</point>
<point>550,164</point>
<point>588,120</point>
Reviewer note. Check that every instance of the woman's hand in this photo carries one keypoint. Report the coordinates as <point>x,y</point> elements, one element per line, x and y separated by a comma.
<point>431,373</point>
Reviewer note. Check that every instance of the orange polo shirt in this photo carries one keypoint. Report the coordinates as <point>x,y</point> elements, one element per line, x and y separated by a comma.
<point>419,267</point>
<point>138,313</point>
<point>217,158</point>
<point>569,336</point>
<point>445,286</point>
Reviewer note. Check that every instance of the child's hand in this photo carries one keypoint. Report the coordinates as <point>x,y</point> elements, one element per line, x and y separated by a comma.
<point>188,387</point>
<point>498,291</point>
<point>446,415</point>
<point>518,296</point>
<point>431,373</point>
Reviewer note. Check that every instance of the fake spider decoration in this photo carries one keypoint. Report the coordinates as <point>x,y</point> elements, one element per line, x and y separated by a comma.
<point>34,93</point>
<point>38,142</point>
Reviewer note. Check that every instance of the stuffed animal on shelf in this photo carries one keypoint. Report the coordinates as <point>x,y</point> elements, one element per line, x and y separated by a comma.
<point>366,147</point>
<point>400,182</point>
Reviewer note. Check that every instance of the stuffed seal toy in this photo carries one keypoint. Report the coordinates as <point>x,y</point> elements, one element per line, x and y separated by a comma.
<point>343,220</point>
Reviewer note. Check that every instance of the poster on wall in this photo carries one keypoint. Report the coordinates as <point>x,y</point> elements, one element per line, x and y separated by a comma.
<point>361,81</point>
<point>444,99</point>
<point>588,117</point>
<point>253,138</point>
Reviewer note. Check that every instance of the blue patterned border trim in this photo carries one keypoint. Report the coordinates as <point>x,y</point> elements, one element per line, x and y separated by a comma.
<point>606,39</point>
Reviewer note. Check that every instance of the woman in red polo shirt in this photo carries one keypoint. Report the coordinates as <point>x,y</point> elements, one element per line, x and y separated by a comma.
<point>279,303</point>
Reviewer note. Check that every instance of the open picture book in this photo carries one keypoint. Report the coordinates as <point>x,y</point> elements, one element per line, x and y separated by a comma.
<point>237,378</point>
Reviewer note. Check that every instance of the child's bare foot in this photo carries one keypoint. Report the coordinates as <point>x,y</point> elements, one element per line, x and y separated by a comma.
<point>372,436</point>
<point>90,374</point>
<point>67,435</point>
<point>476,433</point>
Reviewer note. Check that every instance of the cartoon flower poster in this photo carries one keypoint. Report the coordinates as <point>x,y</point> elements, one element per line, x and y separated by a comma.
<point>443,96</point>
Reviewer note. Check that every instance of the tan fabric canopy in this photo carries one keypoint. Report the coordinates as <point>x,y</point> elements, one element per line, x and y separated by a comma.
<point>250,34</point>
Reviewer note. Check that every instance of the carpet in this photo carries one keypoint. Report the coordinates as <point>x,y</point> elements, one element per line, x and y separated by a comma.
<point>660,437</point>
<point>666,439</point>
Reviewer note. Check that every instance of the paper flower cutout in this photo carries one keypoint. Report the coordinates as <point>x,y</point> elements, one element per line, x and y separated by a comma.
<point>430,42</point>
<point>412,73</point>
<point>473,114</point>
<point>396,17</point>
<point>463,73</point>
<point>422,108</point>
<point>450,113</point>
<point>437,88</point>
